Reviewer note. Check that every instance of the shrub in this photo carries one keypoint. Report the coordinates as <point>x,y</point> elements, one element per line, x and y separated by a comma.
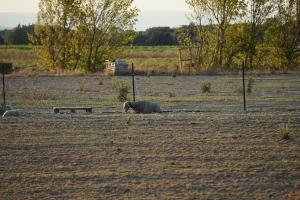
<point>284,130</point>
<point>35,80</point>
<point>81,86</point>
<point>122,94</point>
<point>149,73</point>
<point>171,94</point>
<point>250,85</point>
<point>238,89</point>
<point>175,72</point>
<point>206,87</point>
<point>121,88</point>
<point>128,121</point>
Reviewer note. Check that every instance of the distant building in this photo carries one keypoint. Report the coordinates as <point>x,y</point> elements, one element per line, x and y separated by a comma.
<point>118,67</point>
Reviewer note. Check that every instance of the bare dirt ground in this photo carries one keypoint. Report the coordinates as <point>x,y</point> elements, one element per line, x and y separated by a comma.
<point>218,152</point>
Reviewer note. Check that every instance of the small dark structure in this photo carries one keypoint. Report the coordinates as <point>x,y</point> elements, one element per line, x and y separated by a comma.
<point>118,67</point>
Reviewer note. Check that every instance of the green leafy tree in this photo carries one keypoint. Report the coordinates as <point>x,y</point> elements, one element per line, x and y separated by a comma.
<point>57,22</point>
<point>221,13</point>
<point>236,45</point>
<point>196,40</point>
<point>106,24</point>
<point>284,33</point>
<point>159,36</point>
<point>257,13</point>
<point>82,33</point>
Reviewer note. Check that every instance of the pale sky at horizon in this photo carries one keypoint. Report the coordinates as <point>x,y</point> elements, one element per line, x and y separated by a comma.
<point>31,6</point>
<point>153,13</point>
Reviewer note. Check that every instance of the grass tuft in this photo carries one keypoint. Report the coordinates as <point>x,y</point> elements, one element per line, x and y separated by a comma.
<point>171,94</point>
<point>285,131</point>
<point>206,87</point>
<point>121,89</point>
<point>250,85</point>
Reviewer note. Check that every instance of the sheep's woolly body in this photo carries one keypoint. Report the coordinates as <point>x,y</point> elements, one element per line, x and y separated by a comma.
<point>141,107</point>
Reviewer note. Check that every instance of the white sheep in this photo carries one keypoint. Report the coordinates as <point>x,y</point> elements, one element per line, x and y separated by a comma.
<point>12,113</point>
<point>141,107</point>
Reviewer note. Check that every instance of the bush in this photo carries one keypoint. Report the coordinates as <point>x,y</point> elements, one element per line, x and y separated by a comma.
<point>250,85</point>
<point>175,72</point>
<point>238,89</point>
<point>149,73</point>
<point>122,94</point>
<point>206,87</point>
<point>284,130</point>
<point>121,88</point>
<point>171,94</point>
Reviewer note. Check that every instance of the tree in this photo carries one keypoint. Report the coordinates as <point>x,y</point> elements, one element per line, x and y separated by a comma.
<point>257,13</point>
<point>107,24</point>
<point>222,13</point>
<point>57,21</point>
<point>236,46</point>
<point>160,36</point>
<point>82,33</point>
<point>284,33</point>
<point>196,40</point>
<point>140,38</point>
<point>156,36</point>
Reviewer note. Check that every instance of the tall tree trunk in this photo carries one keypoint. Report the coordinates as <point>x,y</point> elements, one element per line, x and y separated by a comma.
<point>222,44</point>
<point>298,24</point>
<point>90,51</point>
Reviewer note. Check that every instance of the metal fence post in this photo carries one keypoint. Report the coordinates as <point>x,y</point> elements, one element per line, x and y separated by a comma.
<point>133,83</point>
<point>3,84</point>
<point>244,86</point>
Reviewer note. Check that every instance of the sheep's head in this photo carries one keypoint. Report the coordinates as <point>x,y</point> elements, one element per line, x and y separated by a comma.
<point>126,106</point>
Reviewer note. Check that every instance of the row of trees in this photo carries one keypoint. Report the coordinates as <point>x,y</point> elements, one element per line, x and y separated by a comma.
<point>156,36</point>
<point>150,37</point>
<point>84,33</point>
<point>264,33</point>
<point>16,36</point>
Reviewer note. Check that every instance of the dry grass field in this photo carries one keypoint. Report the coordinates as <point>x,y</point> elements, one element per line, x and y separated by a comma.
<point>216,152</point>
<point>154,59</point>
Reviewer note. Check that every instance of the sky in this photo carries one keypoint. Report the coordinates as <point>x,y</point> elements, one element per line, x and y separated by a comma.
<point>29,6</point>
<point>24,6</point>
<point>153,12</point>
